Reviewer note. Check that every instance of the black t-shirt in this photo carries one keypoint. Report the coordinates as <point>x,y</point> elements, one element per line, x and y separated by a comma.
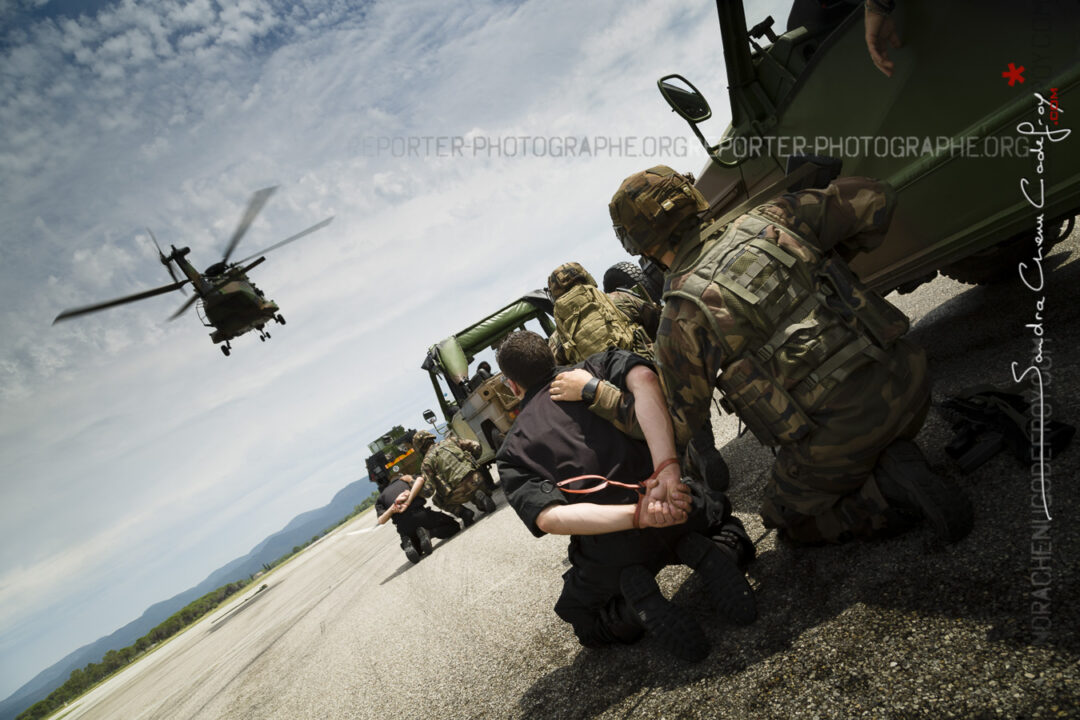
<point>552,441</point>
<point>389,495</point>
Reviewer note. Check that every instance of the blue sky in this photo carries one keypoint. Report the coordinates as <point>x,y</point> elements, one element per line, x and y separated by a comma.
<point>138,459</point>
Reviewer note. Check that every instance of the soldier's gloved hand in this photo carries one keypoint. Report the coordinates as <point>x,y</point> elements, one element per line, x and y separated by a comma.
<point>669,488</point>
<point>567,385</point>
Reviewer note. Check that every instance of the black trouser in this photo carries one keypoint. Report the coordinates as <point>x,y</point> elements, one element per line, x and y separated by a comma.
<point>595,608</point>
<point>591,599</point>
<point>439,524</point>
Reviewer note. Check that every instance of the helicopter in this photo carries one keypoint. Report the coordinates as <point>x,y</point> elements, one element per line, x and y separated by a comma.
<point>228,301</point>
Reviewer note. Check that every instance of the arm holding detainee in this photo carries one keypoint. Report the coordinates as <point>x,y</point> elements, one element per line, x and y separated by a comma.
<point>648,415</point>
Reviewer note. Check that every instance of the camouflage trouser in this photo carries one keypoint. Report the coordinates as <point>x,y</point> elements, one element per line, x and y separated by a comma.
<point>823,489</point>
<point>461,493</point>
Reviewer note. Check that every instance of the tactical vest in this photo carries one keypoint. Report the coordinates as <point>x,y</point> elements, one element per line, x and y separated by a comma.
<point>808,326</point>
<point>451,464</point>
<point>588,323</point>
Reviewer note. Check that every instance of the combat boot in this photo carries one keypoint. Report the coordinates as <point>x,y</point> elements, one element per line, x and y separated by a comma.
<point>724,582</point>
<point>677,632</point>
<point>423,539</point>
<point>410,550</point>
<point>907,483</point>
<point>484,501</point>
<point>732,541</point>
<point>467,516</point>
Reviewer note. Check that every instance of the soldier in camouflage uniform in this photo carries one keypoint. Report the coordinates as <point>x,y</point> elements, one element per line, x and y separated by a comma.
<point>765,309</point>
<point>589,321</point>
<point>450,468</point>
<point>628,322</point>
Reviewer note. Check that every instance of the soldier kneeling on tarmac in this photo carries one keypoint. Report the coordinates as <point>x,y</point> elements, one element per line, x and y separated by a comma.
<point>401,501</point>
<point>764,308</point>
<point>450,469</point>
<point>588,321</point>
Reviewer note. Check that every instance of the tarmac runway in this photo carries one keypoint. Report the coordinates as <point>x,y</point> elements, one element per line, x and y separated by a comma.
<point>896,629</point>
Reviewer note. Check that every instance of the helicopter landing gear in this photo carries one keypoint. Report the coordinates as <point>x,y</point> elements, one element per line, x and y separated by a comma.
<point>263,335</point>
<point>226,349</point>
<point>279,319</point>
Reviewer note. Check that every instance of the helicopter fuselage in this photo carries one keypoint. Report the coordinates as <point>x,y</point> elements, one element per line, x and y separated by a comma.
<point>235,307</point>
<point>227,300</point>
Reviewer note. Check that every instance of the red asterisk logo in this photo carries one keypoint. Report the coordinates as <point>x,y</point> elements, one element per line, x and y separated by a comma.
<point>1014,74</point>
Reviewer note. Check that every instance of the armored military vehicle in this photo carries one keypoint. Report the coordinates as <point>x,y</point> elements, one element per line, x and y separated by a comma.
<point>392,454</point>
<point>971,129</point>
<point>483,408</point>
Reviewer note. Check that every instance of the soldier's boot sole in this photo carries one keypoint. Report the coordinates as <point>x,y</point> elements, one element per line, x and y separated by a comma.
<point>484,502</point>
<point>674,630</point>
<point>411,552</point>
<point>725,583</point>
<point>906,480</point>
<point>423,539</point>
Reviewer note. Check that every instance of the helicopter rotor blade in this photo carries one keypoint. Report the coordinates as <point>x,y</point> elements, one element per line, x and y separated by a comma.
<point>164,260</point>
<point>183,308</point>
<point>75,312</point>
<point>255,205</point>
<point>286,241</point>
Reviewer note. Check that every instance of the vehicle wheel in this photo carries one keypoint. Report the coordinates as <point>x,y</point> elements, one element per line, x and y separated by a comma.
<point>225,350</point>
<point>999,263</point>
<point>626,275</point>
<point>280,319</point>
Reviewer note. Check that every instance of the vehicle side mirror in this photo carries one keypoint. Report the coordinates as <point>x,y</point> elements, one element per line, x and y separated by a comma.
<point>691,105</point>
<point>429,416</point>
<point>684,98</point>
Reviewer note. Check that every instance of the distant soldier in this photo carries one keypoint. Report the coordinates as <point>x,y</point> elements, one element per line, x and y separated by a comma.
<point>765,309</point>
<point>483,372</point>
<point>450,468</point>
<point>589,321</point>
<point>401,501</point>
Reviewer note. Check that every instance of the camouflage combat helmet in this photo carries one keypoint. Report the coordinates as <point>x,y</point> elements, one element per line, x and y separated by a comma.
<point>650,205</point>
<point>567,276</point>
<point>421,440</point>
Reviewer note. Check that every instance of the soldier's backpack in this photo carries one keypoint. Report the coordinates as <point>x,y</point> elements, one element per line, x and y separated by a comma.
<point>451,464</point>
<point>588,323</point>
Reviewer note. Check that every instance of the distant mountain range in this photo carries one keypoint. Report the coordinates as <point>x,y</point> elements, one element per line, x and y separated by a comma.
<point>299,530</point>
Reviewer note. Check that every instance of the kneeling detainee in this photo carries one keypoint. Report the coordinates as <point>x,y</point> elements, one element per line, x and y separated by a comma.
<point>626,521</point>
